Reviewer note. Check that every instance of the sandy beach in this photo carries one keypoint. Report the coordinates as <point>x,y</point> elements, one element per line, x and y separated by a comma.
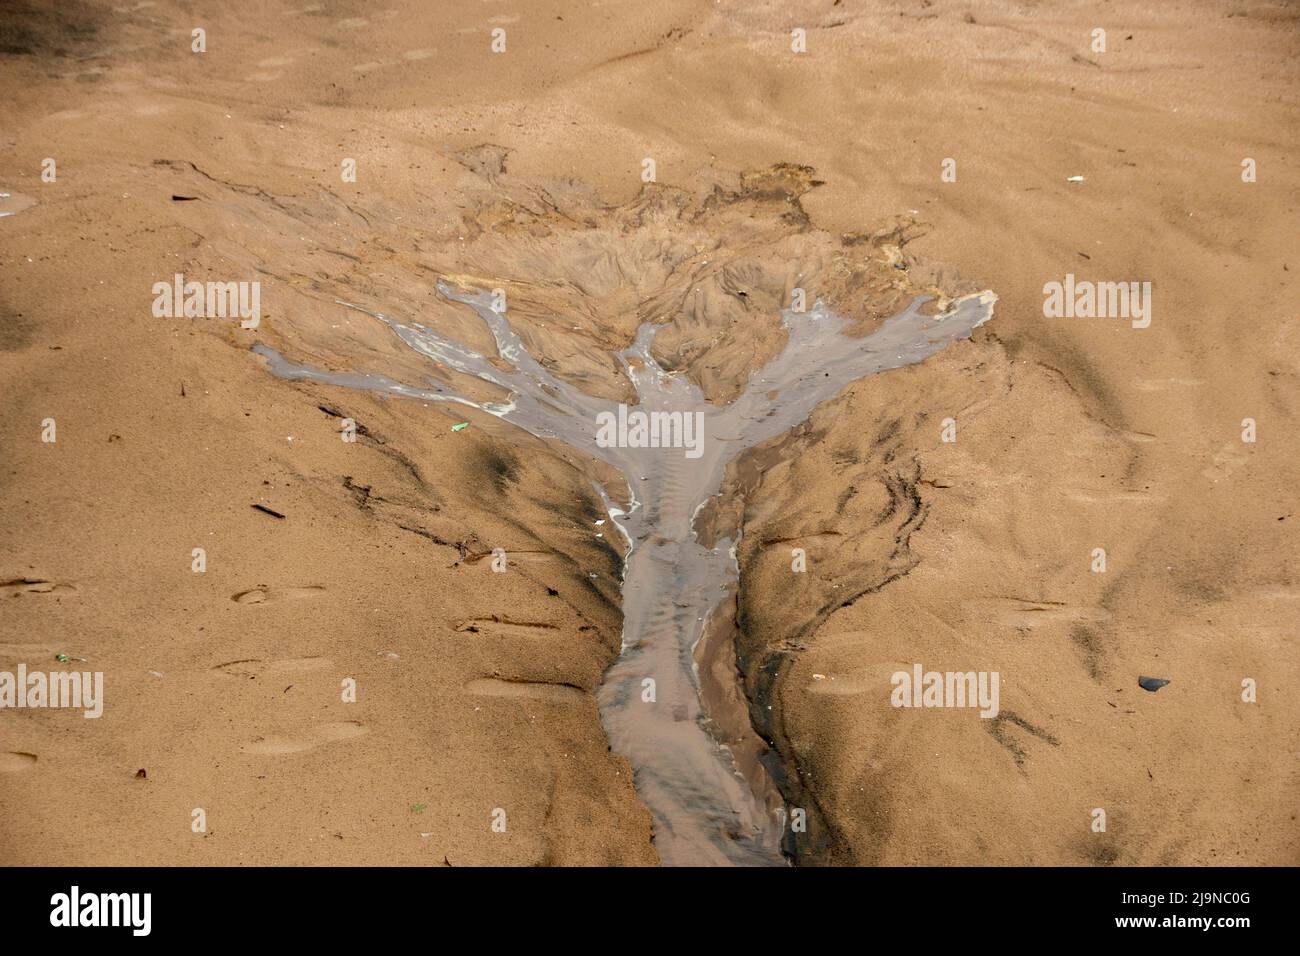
<point>353,606</point>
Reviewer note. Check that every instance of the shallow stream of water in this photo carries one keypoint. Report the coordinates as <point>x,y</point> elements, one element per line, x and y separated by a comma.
<point>708,808</point>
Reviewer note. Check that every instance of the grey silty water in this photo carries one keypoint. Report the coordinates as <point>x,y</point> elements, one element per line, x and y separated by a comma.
<point>705,811</point>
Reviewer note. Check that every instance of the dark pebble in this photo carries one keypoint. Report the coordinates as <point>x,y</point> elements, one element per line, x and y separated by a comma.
<point>1152,684</point>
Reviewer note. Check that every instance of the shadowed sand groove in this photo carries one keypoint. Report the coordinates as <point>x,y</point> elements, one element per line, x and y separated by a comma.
<point>705,810</point>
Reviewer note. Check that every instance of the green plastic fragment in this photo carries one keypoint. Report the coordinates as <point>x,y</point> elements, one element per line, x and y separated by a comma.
<point>459,426</point>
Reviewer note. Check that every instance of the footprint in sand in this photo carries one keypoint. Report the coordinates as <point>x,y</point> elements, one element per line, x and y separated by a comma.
<point>517,557</point>
<point>15,587</point>
<point>27,652</point>
<point>504,627</point>
<point>1227,460</point>
<point>533,690</point>
<point>254,667</point>
<point>12,203</point>
<point>318,735</point>
<point>1138,438</point>
<point>270,595</point>
<point>1026,615</point>
<point>15,761</point>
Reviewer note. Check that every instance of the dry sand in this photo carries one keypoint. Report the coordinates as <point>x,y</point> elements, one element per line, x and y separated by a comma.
<point>523,169</point>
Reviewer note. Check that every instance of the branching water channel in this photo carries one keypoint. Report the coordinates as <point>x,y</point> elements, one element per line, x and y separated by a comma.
<point>707,808</point>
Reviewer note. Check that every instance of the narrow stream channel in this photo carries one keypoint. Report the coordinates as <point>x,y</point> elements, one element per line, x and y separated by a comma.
<point>708,807</point>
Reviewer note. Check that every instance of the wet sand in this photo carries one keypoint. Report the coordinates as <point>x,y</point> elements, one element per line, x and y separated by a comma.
<point>709,806</point>
<point>479,691</point>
